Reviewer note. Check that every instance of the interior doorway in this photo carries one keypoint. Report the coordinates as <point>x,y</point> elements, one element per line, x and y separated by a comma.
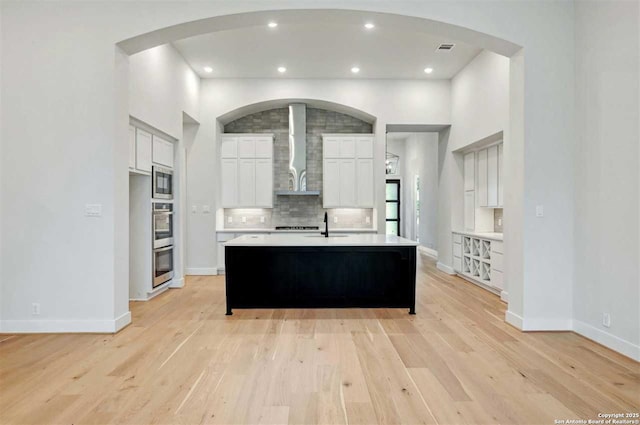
<point>392,209</point>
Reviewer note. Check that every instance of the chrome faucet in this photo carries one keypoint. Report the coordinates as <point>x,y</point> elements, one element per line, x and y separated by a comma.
<point>326,225</point>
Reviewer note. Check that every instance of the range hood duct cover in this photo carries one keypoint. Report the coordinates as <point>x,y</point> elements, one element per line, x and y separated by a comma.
<point>298,152</point>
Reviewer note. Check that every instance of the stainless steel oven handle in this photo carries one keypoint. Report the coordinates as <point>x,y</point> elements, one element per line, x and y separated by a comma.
<point>163,249</point>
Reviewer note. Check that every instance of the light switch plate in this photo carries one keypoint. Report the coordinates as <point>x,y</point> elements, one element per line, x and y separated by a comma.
<point>194,209</point>
<point>539,210</point>
<point>229,219</point>
<point>244,219</point>
<point>335,218</point>
<point>206,209</point>
<point>261,219</point>
<point>368,220</point>
<point>93,210</point>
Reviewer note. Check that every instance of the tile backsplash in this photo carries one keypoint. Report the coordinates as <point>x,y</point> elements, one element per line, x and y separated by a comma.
<point>498,223</point>
<point>297,210</point>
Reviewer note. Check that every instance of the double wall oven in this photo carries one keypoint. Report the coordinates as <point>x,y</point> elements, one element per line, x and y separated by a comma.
<point>162,222</point>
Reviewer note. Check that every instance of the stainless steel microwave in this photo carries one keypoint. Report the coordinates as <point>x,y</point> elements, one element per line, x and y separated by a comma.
<point>162,183</point>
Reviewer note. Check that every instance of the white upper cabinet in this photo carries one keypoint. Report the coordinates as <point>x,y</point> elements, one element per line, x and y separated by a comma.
<point>143,151</point>
<point>247,171</point>
<point>347,171</point>
<point>229,147</point>
<point>132,147</point>
<point>482,178</point>
<point>469,210</point>
<point>500,176</point>
<point>162,152</point>
<point>492,176</point>
<point>469,172</point>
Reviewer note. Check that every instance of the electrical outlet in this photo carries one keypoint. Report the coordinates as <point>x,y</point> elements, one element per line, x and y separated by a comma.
<point>368,220</point>
<point>244,219</point>
<point>499,222</point>
<point>194,209</point>
<point>261,219</point>
<point>335,218</point>
<point>93,210</point>
<point>206,209</point>
<point>606,320</point>
<point>229,219</point>
<point>539,210</point>
<point>35,309</point>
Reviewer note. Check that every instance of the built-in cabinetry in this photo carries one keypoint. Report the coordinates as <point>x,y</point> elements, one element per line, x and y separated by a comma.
<point>490,176</point>
<point>146,149</point>
<point>479,260</point>
<point>140,150</point>
<point>469,191</point>
<point>347,171</point>
<point>247,170</point>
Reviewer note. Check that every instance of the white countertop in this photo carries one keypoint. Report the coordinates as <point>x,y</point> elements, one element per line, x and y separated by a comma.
<point>273,230</point>
<point>317,240</point>
<point>485,235</point>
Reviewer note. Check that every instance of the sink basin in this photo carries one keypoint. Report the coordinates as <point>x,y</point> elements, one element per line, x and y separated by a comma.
<point>330,236</point>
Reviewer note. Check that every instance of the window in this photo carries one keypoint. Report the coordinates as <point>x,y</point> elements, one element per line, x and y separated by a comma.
<point>393,207</point>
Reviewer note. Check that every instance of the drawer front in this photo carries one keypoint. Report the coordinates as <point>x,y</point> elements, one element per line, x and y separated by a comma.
<point>457,238</point>
<point>497,246</point>
<point>457,250</point>
<point>496,261</point>
<point>497,279</point>
<point>457,264</point>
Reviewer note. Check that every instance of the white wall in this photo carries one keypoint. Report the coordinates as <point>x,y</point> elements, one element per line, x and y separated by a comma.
<point>607,181</point>
<point>68,112</point>
<point>390,101</point>
<point>161,87</point>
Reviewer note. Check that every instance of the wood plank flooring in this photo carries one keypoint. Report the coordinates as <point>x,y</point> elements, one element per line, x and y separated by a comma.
<point>182,361</point>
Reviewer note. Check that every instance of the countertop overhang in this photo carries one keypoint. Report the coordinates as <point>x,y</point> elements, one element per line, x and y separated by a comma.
<point>302,240</point>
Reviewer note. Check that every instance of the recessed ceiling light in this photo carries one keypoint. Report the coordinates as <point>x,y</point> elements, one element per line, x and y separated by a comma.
<point>273,24</point>
<point>208,69</point>
<point>282,69</point>
<point>428,70</point>
<point>355,69</point>
<point>369,26</point>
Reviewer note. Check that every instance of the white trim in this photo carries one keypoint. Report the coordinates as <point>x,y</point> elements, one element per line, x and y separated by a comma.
<point>66,326</point>
<point>201,271</point>
<point>504,296</point>
<point>544,324</point>
<point>513,319</point>
<point>177,283</point>
<point>444,268</point>
<point>607,339</point>
<point>428,251</point>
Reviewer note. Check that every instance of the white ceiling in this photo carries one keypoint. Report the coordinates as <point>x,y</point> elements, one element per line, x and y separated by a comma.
<point>323,50</point>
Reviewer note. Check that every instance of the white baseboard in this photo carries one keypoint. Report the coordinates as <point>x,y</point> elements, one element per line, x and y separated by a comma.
<point>177,283</point>
<point>428,251</point>
<point>513,319</point>
<point>65,326</point>
<point>504,296</point>
<point>613,342</point>
<point>201,271</point>
<point>533,324</point>
<point>444,268</point>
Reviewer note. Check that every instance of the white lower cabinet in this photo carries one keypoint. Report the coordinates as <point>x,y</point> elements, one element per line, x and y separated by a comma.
<point>479,260</point>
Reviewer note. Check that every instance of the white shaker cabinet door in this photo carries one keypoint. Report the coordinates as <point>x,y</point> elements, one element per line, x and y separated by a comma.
<point>347,147</point>
<point>364,147</point>
<point>162,152</point>
<point>492,176</point>
<point>229,171</point>
<point>347,183</point>
<point>143,150</point>
<point>229,147</point>
<point>469,171</point>
<point>331,147</point>
<point>364,183</point>
<point>247,147</point>
<point>482,178</point>
<point>264,183</point>
<point>500,176</point>
<point>132,147</point>
<point>331,183</point>
<point>246,182</point>
<point>264,146</point>
<point>469,210</point>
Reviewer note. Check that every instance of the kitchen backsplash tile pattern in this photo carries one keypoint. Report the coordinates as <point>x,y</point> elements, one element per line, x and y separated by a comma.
<point>297,210</point>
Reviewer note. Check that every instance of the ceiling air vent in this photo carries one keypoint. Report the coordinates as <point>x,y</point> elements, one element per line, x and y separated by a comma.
<point>445,47</point>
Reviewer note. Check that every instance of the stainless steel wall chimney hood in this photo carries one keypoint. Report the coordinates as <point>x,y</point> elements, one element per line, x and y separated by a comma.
<point>298,152</point>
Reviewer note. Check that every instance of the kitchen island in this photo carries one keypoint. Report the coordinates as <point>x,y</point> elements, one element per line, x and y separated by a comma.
<point>312,271</point>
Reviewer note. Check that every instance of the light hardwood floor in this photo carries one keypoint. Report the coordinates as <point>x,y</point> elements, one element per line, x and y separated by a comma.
<point>182,361</point>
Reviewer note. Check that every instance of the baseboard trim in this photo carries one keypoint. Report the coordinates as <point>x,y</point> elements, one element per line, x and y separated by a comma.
<point>513,319</point>
<point>201,271</point>
<point>504,296</point>
<point>541,324</point>
<point>428,251</point>
<point>65,326</point>
<point>177,283</point>
<point>608,340</point>
<point>444,268</point>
